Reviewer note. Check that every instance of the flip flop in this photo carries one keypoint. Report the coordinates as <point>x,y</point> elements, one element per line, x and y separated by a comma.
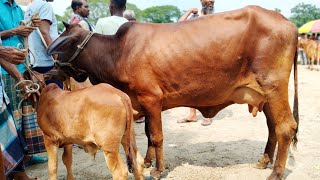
<point>36,160</point>
<point>185,120</point>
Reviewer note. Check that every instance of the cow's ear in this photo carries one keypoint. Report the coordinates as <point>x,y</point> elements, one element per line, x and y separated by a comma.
<point>67,25</point>
<point>54,47</point>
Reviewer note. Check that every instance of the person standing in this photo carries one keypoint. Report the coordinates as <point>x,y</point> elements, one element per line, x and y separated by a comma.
<point>12,144</point>
<point>207,8</point>
<point>110,25</point>
<point>129,15</point>
<point>81,13</point>
<point>40,39</point>
<point>12,33</point>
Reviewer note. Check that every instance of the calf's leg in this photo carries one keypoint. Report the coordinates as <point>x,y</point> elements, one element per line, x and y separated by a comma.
<point>137,158</point>
<point>52,151</point>
<point>114,162</point>
<point>268,155</point>
<point>67,160</point>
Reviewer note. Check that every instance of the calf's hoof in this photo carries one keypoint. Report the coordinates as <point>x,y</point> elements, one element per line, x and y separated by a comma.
<point>260,165</point>
<point>155,174</point>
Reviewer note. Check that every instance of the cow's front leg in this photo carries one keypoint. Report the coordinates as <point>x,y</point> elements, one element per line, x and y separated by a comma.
<point>153,108</point>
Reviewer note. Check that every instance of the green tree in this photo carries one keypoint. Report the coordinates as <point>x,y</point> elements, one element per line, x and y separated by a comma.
<point>303,13</point>
<point>161,14</point>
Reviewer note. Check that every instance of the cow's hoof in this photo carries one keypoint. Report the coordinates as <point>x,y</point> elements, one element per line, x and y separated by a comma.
<point>263,162</point>
<point>155,174</point>
<point>147,164</point>
<point>274,176</point>
<point>260,165</point>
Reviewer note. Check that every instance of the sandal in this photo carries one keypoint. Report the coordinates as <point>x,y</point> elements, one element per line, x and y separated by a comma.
<point>36,160</point>
<point>185,120</point>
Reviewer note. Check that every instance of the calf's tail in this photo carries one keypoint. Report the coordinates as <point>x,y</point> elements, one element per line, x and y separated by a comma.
<point>129,151</point>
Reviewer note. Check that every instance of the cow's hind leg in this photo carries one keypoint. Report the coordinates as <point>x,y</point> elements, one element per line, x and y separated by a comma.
<point>52,150</point>
<point>153,107</point>
<point>285,128</point>
<point>268,155</point>
<point>114,162</point>
<point>67,160</point>
<point>150,156</point>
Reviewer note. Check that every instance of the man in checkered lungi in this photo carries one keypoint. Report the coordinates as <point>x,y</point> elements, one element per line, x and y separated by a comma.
<point>12,34</point>
<point>12,146</point>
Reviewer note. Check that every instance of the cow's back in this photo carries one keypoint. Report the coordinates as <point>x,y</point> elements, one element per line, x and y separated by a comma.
<point>210,56</point>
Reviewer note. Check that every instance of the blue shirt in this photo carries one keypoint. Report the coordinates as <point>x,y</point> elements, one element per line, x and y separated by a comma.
<point>3,94</point>
<point>45,10</point>
<point>10,17</point>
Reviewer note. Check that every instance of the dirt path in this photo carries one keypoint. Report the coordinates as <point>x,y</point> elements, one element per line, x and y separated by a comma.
<point>226,149</point>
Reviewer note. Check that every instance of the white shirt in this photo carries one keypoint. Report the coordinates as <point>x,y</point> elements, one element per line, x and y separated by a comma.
<point>109,25</point>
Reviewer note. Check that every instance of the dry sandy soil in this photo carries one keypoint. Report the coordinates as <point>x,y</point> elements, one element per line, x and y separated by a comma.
<point>227,149</point>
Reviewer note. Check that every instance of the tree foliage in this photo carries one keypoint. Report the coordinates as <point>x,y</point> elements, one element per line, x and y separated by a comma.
<point>161,14</point>
<point>100,9</point>
<point>303,13</point>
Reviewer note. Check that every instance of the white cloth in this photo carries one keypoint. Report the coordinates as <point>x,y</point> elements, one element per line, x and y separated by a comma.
<point>109,25</point>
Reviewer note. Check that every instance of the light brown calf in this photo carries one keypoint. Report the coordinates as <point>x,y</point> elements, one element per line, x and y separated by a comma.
<point>98,117</point>
<point>71,84</point>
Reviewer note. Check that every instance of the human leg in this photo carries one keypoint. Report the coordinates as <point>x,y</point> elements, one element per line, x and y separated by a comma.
<point>192,117</point>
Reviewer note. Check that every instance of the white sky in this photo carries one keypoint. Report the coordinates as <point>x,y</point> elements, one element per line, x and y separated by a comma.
<point>220,5</point>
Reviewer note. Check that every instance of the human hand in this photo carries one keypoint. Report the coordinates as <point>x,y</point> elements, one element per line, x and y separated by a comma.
<point>36,21</point>
<point>193,10</point>
<point>13,55</point>
<point>25,31</point>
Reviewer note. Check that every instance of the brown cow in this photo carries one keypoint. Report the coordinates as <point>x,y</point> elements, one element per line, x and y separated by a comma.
<point>98,117</point>
<point>312,50</point>
<point>243,56</point>
<point>2,173</point>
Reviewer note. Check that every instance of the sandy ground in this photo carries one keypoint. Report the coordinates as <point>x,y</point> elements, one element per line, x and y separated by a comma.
<point>227,149</point>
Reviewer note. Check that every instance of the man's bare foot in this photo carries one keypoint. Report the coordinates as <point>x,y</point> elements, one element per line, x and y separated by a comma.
<point>186,120</point>
<point>206,122</point>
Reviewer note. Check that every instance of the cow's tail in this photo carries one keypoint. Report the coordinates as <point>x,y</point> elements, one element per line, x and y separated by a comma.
<point>129,151</point>
<point>296,102</point>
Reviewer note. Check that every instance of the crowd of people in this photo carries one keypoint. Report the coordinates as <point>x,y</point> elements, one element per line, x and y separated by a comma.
<point>35,30</point>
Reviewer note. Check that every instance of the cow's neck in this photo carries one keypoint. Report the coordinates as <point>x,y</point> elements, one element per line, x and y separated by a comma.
<point>100,59</point>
